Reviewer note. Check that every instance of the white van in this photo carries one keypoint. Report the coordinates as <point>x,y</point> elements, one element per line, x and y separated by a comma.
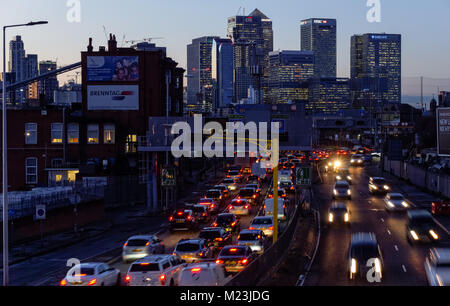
<point>268,208</point>
<point>155,270</point>
<point>257,169</point>
<point>203,274</point>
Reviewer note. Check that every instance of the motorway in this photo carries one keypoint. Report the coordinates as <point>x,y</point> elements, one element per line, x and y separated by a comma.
<point>403,263</point>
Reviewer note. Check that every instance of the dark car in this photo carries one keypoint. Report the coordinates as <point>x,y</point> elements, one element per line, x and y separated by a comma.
<point>250,194</point>
<point>215,194</point>
<point>201,213</point>
<point>235,258</point>
<point>228,222</point>
<point>421,227</point>
<point>216,237</point>
<point>364,254</point>
<point>237,168</point>
<point>343,174</point>
<point>210,204</point>
<point>183,220</point>
<point>378,185</point>
<point>253,179</point>
<point>224,190</point>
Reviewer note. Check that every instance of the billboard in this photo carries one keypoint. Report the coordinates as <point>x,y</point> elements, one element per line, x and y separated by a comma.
<point>113,97</point>
<point>443,131</point>
<point>112,68</point>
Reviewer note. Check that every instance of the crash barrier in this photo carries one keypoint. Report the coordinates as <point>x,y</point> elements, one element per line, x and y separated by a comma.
<point>263,264</point>
<point>438,183</point>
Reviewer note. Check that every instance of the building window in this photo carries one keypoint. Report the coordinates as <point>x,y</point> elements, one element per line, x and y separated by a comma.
<point>31,169</point>
<point>57,133</point>
<point>109,133</point>
<point>131,145</point>
<point>92,133</point>
<point>30,133</point>
<point>57,163</point>
<point>73,133</point>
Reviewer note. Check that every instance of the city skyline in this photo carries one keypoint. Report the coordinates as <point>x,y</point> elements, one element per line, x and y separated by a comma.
<point>419,59</point>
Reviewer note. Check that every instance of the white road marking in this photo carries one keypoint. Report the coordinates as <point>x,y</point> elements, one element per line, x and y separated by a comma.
<point>396,247</point>
<point>382,220</point>
<point>389,232</point>
<point>404,268</point>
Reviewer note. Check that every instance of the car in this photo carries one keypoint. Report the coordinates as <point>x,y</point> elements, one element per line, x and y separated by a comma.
<point>193,250</point>
<point>421,227</point>
<point>216,237</point>
<point>264,224</point>
<point>201,213</point>
<point>215,194</point>
<point>364,254</point>
<point>378,185</point>
<point>342,190</point>
<point>92,274</point>
<point>288,165</point>
<point>223,189</point>
<point>183,220</point>
<point>437,267</point>
<point>237,168</point>
<point>256,187</point>
<point>255,239</point>
<point>249,194</point>
<point>203,274</point>
<point>247,170</point>
<point>268,208</point>
<point>239,207</point>
<point>440,208</point>
<point>236,175</point>
<point>140,246</point>
<point>395,202</point>
<point>288,186</point>
<point>253,179</point>
<point>344,175</point>
<point>230,183</point>
<point>281,193</point>
<point>210,204</point>
<point>228,222</point>
<point>357,160</point>
<point>339,214</point>
<point>235,258</point>
<point>155,270</point>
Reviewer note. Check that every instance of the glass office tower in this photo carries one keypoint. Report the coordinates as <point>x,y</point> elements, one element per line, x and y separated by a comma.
<point>222,71</point>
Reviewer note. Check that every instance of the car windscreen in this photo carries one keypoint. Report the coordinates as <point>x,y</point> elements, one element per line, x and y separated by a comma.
<point>137,242</point>
<point>262,221</point>
<point>238,203</point>
<point>379,182</point>
<point>150,267</point>
<point>397,198</point>
<point>233,173</point>
<point>248,237</point>
<point>209,234</point>
<point>233,252</point>
<point>87,271</point>
<point>225,219</point>
<point>363,253</point>
<point>213,194</point>
<point>228,181</point>
<point>341,186</point>
<point>421,221</point>
<point>187,247</point>
<point>339,209</point>
<point>246,192</point>
<point>198,209</point>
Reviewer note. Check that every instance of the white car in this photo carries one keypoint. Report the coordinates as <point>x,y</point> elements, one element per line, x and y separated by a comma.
<point>155,270</point>
<point>239,207</point>
<point>395,202</point>
<point>342,190</point>
<point>92,274</point>
<point>203,274</point>
<point>138,247</point>
<point>268,208</point>
<point>437,267</point>
<point>264,224</point>
<point>255,239</point>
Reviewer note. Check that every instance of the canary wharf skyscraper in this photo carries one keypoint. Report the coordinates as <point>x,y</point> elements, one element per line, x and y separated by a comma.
<point>376,67</point>
<point>319,35</point>
<point>252,38</point>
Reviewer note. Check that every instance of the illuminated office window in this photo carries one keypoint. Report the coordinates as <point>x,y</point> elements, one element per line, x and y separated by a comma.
<point>30,133</point>
<point>57,133</point>
<point>73,133</point>
<point>131,145</point>
<point>109,133</point>
<point>92,133</point>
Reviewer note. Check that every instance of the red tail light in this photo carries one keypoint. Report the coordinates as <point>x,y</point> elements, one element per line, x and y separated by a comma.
<point>162,278</point>
<point>254,196</point>
<point>244,261</point>
<point>126,243</point>
<point>251,228</point>
<point>147,244</point>
<point>171,218</point>
<point>219,262</point>
<point>189,218</point>
<point>180,213</point>
<point>204,214</point>
<point>63,282</point>
<point>271,228</point>
<point>195,270</point>
<point>233,224</point>
<point>127,278</point>
<point>215,224</point>
<point>212,206</point>
<point>219,239</point>
<point>92,282</point>
<point>230,207</point>
<point>246,206</point>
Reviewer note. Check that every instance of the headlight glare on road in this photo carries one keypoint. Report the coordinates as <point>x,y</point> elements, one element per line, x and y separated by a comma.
<point>353,267</point>
<point>377,265</point>
<point>434,235</point>
<point>414,235</point>
<point>347,217</point>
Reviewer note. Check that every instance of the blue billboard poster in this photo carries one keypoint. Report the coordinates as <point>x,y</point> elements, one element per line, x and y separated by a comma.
<point>112,68</point>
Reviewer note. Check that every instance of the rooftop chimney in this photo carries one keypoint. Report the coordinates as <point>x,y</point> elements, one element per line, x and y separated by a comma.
<point>112,43</point>
<point>90,48</point>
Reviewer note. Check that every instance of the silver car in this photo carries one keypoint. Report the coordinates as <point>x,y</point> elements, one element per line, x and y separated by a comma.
<point>396,202</point>
<point>255,239</point>
<point>437,267</point>
<point>193,250</point>
<point>342,190</point>
<point>138,247</point>
<point>264,224</point>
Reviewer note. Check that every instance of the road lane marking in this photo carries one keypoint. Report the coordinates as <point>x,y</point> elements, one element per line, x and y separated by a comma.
<point>382,220</point>
<point>389,232</point>
<point>396,248</point>
<point>404,268</point>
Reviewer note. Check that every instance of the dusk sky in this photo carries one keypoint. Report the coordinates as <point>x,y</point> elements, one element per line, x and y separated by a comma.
<point>424,26</point>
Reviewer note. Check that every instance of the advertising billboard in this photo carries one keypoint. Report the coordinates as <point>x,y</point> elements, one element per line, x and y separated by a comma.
<point>112,68</point>
<point>443,131</point>
<point>113,97</point>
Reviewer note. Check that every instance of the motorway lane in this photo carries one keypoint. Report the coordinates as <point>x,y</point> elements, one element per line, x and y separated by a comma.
<point>403,263</point>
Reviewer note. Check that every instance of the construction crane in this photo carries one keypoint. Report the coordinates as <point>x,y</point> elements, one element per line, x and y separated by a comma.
<point>77,73</point>
<point>150,39</point>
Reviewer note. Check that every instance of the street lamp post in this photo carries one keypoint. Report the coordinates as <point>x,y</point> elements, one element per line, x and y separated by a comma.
<point>5,159</point>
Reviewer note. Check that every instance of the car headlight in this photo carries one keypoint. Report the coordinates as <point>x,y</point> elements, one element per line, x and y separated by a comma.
<point>386,187</point>
<point>335,192</point>
<point>349,192</point>
<point>337,164</point>
<point>405,204</point>
<point>352,161</point>
<point>331,218</point>
<point>353,267</point>
<point>338,178</point>
<point>377,265</point>
<point>390,204</point>
<point>347,217</point>
<point>374,187</point>
<point>349,178</point>
<point>414,235</point>
<point>434,235</point>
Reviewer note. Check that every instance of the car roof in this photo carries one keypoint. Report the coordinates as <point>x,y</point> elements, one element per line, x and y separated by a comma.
<point>418,213</point>
<point>363,238</point>
<point>199,206</point>
<point>90,264</point>
<point>206,199</point>
<point>191,240</point>
<point>213,190</point>
<point>239,200</point>
<point>235,247</point>
<point>263,217</point>
<point>211,229</point>
<point>377,178</point>
<point>247,231</point>
<point>141,237</point>
<point>225,214</point>
<point>153,258</point>
<point>342,183</point>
